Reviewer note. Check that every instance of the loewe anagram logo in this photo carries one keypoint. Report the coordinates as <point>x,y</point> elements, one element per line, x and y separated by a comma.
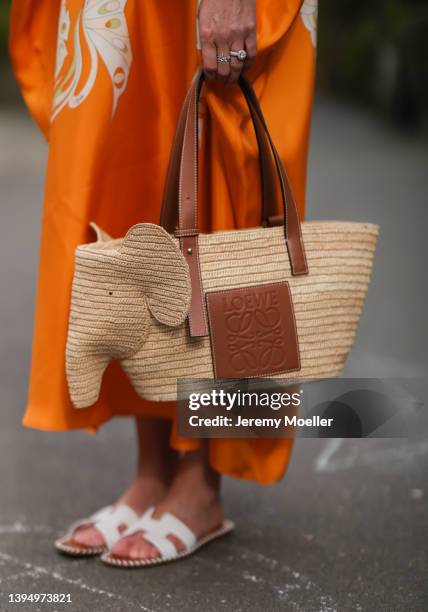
<point>254,331</point>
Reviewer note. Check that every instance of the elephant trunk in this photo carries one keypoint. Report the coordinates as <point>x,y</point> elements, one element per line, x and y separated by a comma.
<point>84,375</point>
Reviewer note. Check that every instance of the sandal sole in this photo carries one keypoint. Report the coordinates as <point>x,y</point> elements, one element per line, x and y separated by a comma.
<point>225,529</point>
<point>74,551</point>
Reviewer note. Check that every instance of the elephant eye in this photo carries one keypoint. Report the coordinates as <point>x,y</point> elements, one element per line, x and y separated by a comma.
<point>110,292</point>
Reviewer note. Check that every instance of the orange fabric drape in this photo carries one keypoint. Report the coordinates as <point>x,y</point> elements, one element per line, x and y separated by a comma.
<point>105,82</point>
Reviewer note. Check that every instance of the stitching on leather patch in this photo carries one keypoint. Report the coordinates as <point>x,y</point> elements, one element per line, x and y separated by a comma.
<point>253,331</point>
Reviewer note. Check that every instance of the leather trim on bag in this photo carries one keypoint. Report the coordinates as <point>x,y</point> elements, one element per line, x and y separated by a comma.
<point>253,331</point>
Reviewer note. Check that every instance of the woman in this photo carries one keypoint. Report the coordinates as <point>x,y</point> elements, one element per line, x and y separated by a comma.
<point>105,81</point>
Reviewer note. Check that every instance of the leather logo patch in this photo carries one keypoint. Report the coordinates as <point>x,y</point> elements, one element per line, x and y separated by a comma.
<point>253,331</point>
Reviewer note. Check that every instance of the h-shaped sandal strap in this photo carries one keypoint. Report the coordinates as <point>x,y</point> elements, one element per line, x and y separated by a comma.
<point>143,523</point>
<point>157,530</point>
<point>172,525</point>
<point>108,525</point>
<point>97,516</point>
<point>164,546</point>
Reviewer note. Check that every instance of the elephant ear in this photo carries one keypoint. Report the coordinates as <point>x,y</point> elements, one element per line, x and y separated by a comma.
<point>101,235</point>
<point>152,255</point>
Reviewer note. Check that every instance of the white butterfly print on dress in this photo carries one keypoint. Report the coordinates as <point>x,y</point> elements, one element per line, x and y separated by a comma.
<point>63,34</point>
<point>309,14</point>
<point>100,26</point>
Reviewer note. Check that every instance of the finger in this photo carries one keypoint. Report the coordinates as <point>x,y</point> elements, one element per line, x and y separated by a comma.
<point>223,68</point>
<point>236,65</point>
<point>209,60</point>
<point>251,49</point>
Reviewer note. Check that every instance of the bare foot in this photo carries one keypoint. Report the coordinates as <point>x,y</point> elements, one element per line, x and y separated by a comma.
<point>139,496</point>
<point>193,498</point>
<point>157,464</point>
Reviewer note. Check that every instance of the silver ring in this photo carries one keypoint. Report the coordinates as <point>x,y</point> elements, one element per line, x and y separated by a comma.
<point>241,54</point>
<point>223,58</point>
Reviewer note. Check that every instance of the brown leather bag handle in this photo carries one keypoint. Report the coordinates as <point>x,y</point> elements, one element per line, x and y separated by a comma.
<point>169,212</point>
<point>292,228</point>
<point>270,208</point>
<point>188,196</point>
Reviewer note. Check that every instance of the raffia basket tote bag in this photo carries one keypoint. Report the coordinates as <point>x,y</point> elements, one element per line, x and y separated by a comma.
<point>282,300</point>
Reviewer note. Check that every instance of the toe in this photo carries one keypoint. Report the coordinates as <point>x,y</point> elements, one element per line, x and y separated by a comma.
<point>142,549</point>
<point>134,547</point>
<point>122,547</point>
<point>88,536</point>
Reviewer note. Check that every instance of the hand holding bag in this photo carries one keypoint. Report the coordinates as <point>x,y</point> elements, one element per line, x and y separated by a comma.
<point>281,300</point>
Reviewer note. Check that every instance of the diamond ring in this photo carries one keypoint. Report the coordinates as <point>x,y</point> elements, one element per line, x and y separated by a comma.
<point>241,54</point>
<point>223,58</point>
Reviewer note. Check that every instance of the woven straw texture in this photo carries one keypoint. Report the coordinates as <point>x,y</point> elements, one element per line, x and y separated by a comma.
<point>150,275</point>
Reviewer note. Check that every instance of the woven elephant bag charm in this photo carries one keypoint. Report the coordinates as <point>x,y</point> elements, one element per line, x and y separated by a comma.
<point>121,288</point>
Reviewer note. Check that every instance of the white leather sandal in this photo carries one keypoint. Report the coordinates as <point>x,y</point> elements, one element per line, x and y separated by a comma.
<point>156,531</point>
<point>108,520</point>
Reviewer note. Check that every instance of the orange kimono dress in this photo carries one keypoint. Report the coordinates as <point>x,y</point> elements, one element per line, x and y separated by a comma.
<point>105,79</point>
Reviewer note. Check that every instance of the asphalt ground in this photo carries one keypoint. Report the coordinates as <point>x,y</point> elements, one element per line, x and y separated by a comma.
<point>346,530</point>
